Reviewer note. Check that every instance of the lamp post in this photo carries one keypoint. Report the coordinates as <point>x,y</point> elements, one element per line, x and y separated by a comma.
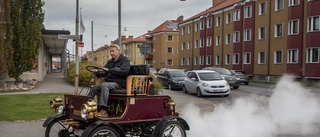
<point>119,24</point>
<point>76,76</point>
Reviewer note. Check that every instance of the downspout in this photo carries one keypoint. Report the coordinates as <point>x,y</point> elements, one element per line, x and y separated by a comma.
<point>269,38</point>
<point>222,38</point>
<point>192,47</point>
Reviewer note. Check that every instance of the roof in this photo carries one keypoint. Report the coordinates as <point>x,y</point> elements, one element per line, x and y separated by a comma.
<point>221,5</point>
<point>167,26</point>
<point>141,38</point>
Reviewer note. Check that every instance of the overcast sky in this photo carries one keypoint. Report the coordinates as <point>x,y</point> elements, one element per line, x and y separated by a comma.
<point>137,16</point>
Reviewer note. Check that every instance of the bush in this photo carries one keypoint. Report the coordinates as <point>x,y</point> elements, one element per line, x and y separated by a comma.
<point>84,74</point>
<point>156,83</point>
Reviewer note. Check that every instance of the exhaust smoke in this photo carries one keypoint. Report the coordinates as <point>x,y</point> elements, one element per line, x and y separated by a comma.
<point>291,109</point>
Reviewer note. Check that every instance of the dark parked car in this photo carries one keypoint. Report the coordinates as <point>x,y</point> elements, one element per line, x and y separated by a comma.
<point>171,78</point>
<point>227,75</point>
<point>244,78</point>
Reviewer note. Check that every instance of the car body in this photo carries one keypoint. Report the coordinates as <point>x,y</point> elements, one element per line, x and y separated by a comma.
<point>227,75</point>
<point>134,111</point>
<point>171,78</point>
<point>242,75</point>
<point>153,70</point>
<point>206,82</point>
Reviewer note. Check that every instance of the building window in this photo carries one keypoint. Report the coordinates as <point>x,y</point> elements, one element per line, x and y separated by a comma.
<point>170,50</point>
<point>236,15</point>
<point>218,40</point>
<point>169,62</point>
<point>183,61</point>
<point>202,25</point>
<point>236,36</point>
<point>312,55</point>
<point>279,5</point>
<point>201,43</point>
<point>228,38</point>
<point>261,57</point>
<point>188,60</point>
<point>314,23</point>
<point>294,2</point>
<point>196,44</point>
<point>247,35</point>
<point>278,29</point>
<point>227,59</point>
<point>277,57</point>
<point>209,23</point>
<point>197,27</point>
<point>218,21</point>
<point>170,38</point>
<point>262,8</point>
<point>183,46</point>
<point>236,58</point>
<point>262,33</point>
<point>183,31</point>
<point>292,56</point>
<point>208,60</point>
<point>228,18</point>
<point>209,41</point>
<point>248,11</point>
<point>189,44</point>
<point>201,60</point>
<point>195,60</point>
<point>217,60</point>
<point>189,29</point>
<point>293,27</point>
<point>246,58</point>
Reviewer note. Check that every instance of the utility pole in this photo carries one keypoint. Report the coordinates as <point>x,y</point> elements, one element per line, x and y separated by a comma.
<point>119,24</point>
<point>92,57</point>
<point>76,78</point>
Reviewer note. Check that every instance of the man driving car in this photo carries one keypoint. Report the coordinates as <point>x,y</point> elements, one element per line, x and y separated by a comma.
<point>117,70</point>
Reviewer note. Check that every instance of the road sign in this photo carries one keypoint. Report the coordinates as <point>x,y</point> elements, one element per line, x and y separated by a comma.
<point>81,44</point>
<point>75,37</point>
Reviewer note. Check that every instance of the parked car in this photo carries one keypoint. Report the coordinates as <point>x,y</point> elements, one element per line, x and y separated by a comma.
<point>153,70</point>
<point>227,75</point>
<point>242,75</point>
<point>171,78</point>
<point>205,82</point>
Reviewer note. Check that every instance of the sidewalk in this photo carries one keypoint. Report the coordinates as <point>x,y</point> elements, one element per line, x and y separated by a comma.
<point>56,83</point>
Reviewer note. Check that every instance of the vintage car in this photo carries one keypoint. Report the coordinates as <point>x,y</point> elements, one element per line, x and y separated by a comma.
<point>132,112</point>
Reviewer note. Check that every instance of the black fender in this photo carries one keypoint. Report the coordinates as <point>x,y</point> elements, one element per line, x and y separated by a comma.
<point>96,124</point>
<point>164,121</point>
<point>51,118</point>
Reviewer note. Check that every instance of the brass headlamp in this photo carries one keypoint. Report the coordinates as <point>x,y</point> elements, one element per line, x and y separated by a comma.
<point>88,109</point>
<point>55,102</point>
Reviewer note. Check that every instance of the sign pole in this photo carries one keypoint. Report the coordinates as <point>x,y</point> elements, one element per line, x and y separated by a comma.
<point>76,76</point>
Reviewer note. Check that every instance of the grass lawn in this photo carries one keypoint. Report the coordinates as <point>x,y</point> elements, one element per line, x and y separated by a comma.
<point>26,106</point>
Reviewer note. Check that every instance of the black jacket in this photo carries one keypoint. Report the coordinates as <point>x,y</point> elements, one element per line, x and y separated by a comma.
<point>118,71</point>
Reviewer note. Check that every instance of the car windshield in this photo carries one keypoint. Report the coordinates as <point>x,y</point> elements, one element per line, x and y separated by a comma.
<point>209,76</point>
<point>240,72</point>
<point>177,73</point>
<point>223,71</point>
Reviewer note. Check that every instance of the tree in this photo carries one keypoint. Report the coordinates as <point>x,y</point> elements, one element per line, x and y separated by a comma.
<point>27,18</point>
<point>6,51</point>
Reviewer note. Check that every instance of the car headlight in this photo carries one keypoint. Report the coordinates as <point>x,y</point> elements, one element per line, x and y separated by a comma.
<point>55,102</point>
<point>88,109</point>
<point>205,84</point>
<point>60,109</point>
<point>174,81</point>
<point>227,84</point>
<point>238,78</point>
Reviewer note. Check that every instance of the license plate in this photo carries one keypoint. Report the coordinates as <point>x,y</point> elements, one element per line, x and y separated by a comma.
<point>217,90</point>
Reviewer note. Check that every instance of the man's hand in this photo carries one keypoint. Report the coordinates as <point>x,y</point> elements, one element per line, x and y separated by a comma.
<point>106,69</point>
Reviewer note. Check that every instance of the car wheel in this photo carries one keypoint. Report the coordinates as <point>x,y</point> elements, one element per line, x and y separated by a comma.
<point>173,129</point>
<point>57,128</point>
<point>169,86</point>
<point>185,89</point>
<point>105,131</point>
<point>235,87</point>
<point>247,83</point>
<point>199,92</point>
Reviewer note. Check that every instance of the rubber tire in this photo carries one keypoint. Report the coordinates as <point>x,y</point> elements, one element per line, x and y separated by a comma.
<point>247,83</point>
<point>198,92</point>
<point>185,89</point>
<point>51,124</point>
<point>108,129</point>
<point>177,125</point>
<point>236,87</point>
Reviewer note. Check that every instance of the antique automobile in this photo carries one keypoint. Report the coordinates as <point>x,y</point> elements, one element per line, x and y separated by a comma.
<point>132,112</point>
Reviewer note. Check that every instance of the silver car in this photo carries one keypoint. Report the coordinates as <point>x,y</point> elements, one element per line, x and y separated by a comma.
<point>227,75</point>
<point>205,83</point>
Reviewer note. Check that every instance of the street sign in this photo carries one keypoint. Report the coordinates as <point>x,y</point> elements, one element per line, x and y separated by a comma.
<point>74,37</point>
<point>145,48</point>
<point>81,44</point>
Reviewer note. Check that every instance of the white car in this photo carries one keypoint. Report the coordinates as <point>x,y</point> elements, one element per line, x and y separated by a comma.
<point>205,83</point>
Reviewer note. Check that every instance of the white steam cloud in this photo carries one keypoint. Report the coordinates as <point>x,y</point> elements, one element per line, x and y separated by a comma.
<point>291,109</point>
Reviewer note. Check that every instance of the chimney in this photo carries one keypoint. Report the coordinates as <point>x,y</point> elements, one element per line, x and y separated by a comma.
<point>215,2</point>
<point>180,19</point>
<point>123,37</point>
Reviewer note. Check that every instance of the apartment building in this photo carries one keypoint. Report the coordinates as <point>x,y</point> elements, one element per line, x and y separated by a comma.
<point>263,37</point>
<point>131,49</point>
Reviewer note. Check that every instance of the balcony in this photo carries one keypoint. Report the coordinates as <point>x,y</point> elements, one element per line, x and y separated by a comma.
<point>148,57</point>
